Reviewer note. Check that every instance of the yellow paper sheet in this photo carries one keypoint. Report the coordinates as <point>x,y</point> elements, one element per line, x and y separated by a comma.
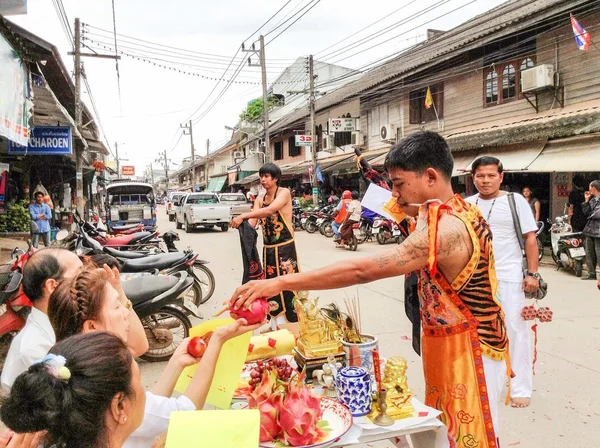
<point>229,366</point>
<point>212,429</point>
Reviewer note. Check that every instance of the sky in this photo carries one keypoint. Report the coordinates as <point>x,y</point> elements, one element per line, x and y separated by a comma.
<point>144,115</point>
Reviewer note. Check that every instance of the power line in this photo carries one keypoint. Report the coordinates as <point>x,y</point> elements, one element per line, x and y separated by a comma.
<point>366,27</point>
<point>117,60</point>
<point>179,49</point>
<point>448,43</point>
<point>292,24</point>
<point>377,34</point>
<point>290,18</point>
<point>268,20</point>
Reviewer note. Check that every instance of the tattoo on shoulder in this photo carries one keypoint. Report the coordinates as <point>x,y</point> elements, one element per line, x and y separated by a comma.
<point>453,237</point>
<point>412,249</point>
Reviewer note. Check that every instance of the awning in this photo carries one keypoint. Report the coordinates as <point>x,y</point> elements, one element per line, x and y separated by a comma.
<point>216,183</point>
<point>571,154</point>
<point>462,162</point>
<point>249,179</point>
<point>517,157</point>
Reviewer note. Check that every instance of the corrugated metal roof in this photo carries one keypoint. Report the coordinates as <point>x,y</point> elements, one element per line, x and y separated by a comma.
<point>496,23</point>
<point>573,120</point>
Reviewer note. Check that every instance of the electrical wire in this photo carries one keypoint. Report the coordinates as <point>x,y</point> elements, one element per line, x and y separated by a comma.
<point>268,20</point>
<point>288,19</point>
<point>156,45</point>
<point>117,60</point>
<point>367,27</point>
<point>448,43</point>
<point>292,24</point>
<point>385,30</point>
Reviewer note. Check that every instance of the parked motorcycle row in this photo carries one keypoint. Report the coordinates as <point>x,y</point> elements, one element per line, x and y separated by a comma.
<point>165,286</point>
<point>371,225</point>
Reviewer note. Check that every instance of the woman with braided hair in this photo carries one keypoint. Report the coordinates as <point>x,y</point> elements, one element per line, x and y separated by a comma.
<point>89,303</point>
<point>86,393</point>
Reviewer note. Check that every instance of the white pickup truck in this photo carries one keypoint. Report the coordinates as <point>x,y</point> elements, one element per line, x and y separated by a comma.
<point>202,209</point>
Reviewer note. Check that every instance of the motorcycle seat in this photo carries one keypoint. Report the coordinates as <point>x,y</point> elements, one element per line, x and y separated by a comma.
<point>123,254</point>
<point>137,237</point>
<point>141,289</point>
<point>151,262</point>
<point>125,227</point>
<point>126,239</point>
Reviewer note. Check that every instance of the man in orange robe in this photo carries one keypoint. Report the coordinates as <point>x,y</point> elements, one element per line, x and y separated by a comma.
<point>464,343</point>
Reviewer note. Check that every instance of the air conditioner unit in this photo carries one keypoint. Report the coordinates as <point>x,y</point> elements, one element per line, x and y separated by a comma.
<point>387,132</point>
<point>356,138</point>
<point>538,77</point>
<point>328,143</point>
<point>238,155</point>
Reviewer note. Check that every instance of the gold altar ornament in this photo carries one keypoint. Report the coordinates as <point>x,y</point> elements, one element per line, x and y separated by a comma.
<point>398,394</point>
<point>319,337</point>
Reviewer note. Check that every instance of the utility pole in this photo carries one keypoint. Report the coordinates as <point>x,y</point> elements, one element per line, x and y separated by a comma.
<point>118,160</point>
<point>263,68</point>
<point>190,132</point>
<point>152,174</point>
<point>311,105</point>
<point>78,151</point>
<point>162,158</point>
<point>311,108</point>
<point>78,69</point>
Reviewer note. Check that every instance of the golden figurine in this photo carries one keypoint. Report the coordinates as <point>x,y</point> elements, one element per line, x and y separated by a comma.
<point>319,337</point>
<point>396,385</point>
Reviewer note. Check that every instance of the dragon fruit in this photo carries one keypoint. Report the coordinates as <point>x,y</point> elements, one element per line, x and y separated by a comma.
<point>267,399</point>
<point>256,313</point>
<point>299,414</point>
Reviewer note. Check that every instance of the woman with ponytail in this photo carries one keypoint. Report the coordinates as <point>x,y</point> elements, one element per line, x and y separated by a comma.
<point>86,393</point>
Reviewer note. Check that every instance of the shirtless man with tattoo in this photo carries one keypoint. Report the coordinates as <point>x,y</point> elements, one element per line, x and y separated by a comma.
<point>464,339</point>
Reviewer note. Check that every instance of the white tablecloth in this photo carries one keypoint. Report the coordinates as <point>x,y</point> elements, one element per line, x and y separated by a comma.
<point>426,430</point>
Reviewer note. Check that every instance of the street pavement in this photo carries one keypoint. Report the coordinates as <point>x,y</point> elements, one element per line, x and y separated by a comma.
<point>565,406</point>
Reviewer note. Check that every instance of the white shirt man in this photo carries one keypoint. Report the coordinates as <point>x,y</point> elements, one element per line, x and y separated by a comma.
<point>41,274</point>
<point>494,206</point>
<point>32,344</point>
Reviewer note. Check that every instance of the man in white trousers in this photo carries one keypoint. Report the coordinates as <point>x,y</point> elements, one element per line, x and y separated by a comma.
<point>512,283</point>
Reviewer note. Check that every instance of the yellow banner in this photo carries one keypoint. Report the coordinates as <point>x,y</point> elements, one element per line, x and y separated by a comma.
<point>211,429</point>
<point>229,366</point>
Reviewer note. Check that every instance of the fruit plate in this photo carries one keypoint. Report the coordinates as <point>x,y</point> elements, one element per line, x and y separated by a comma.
<point>338,418</point>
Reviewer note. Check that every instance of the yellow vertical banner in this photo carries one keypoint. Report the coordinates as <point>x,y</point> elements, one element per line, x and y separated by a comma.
<point>212,429</point>
<point>228,369</point>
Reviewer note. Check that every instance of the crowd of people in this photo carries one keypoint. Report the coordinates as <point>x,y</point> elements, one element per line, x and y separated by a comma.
<point>70,378</point>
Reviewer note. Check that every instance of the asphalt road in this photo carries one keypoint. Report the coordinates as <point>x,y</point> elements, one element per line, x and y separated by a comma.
<point>565,406</point>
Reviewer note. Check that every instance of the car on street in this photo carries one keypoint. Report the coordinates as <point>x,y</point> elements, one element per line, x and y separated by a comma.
<point>202,209</point>
<point>239,203</point>
<point>172,198</point>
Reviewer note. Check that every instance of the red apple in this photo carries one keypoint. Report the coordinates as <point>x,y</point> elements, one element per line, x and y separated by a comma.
<point>196,347</point>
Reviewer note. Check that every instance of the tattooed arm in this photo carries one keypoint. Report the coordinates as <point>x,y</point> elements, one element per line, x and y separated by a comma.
<point>411,255</point>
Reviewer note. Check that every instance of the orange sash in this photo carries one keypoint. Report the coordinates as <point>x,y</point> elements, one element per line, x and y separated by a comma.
<point>451,348</point>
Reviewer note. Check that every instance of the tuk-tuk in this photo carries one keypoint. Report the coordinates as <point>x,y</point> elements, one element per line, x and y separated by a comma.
<point>130,202</point>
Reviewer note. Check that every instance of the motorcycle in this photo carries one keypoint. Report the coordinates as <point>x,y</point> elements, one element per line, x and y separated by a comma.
<point>311,224</point>
<point>352,244</point>
<point>164,263</point>
<point>540,245</point>
<point>131,241</point>
<point>568,250</point>
<point>160,303</point>
<point>297,216</point>
<point>386,230</point>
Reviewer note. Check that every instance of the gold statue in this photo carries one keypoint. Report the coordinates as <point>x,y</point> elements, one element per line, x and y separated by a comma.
<point>396,384</point>
<point>319,336</point>
<point>394,377</point>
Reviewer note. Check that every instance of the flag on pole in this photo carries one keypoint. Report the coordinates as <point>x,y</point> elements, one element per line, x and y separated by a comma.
<point>582,37</point>
<point>428,99</point>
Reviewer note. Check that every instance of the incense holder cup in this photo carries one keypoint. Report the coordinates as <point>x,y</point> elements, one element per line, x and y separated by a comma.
<point>361,355</point>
